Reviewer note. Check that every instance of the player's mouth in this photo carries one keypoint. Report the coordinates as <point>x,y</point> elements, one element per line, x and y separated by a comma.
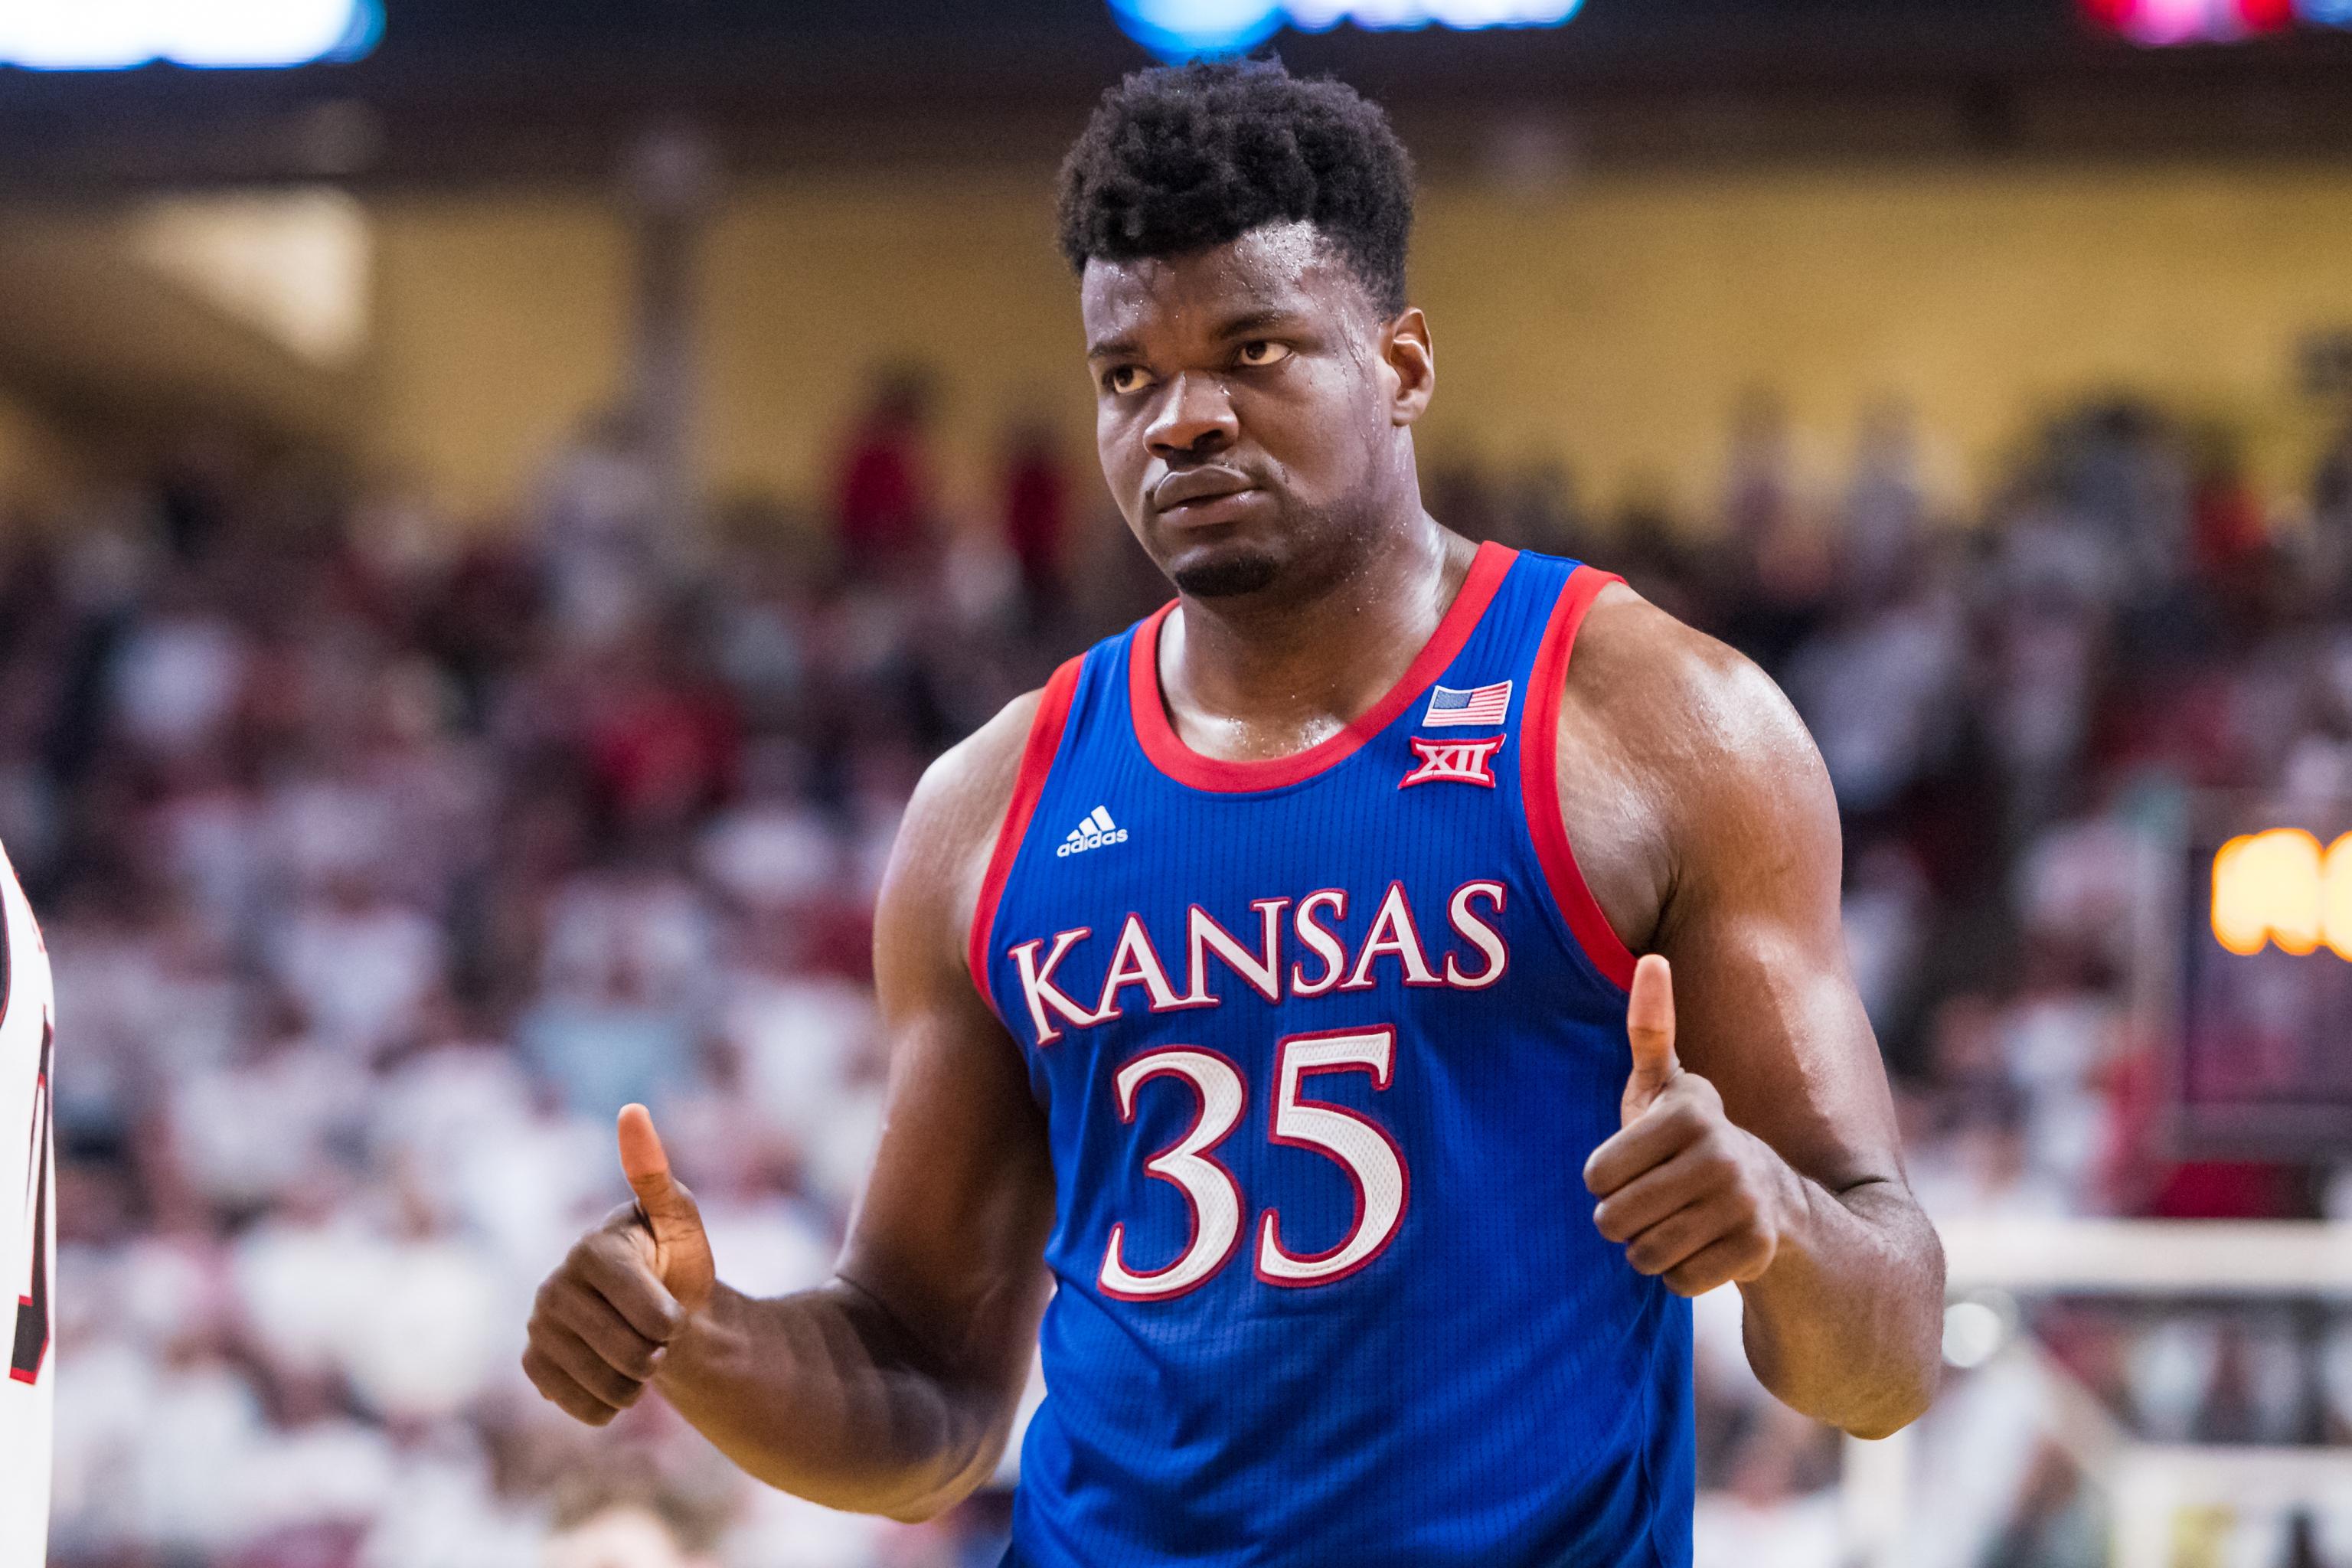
<point>1203,496</point>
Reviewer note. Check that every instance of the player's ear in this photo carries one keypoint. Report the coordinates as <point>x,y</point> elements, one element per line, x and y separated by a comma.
<point>1413,364</point>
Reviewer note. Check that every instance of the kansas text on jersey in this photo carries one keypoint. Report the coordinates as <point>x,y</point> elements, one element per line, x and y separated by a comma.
<point>1323,1043</point>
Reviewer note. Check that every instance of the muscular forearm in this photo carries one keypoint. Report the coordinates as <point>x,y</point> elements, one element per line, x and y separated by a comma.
<point>822,1395</point>
<point>1846,1324</point>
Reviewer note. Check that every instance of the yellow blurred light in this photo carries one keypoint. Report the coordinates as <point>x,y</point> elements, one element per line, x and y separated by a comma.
<point>2281,887</point>
<point>2335,898</point>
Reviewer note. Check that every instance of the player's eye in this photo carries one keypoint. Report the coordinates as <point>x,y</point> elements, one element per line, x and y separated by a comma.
<point>1259,352</point>
<point>1125,378</point>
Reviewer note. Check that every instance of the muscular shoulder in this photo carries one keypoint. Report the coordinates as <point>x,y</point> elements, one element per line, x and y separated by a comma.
<point>1678,696</point>
<point>941,855</point>
<point>964,792</point>
<point>1680,761</point>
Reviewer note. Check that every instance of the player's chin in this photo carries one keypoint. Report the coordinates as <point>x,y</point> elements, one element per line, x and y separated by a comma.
<point>1228,570</point>
<point>1232,577</point>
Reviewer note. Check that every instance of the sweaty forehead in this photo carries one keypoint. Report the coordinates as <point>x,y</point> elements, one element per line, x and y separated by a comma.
<point>1285,267</point>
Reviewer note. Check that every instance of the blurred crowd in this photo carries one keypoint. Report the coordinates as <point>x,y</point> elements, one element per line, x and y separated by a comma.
<point>381,856</point>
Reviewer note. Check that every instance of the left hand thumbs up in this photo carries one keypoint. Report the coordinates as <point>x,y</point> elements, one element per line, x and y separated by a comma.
<point>1691,1195</point>
<point>1650,1027</point>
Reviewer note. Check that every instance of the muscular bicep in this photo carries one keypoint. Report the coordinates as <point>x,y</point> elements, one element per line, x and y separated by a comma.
<point>950,1234</point>
<point>1767,1003</point>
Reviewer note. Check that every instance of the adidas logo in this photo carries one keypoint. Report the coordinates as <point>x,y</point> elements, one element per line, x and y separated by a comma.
<point>1096,831</point>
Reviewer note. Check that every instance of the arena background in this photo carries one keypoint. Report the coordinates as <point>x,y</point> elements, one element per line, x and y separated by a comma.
<point>497,523</point>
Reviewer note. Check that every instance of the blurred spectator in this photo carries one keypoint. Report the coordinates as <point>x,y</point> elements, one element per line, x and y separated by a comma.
<point>178,674</point>
<point>623,1535</point>
<point>600,533</point>
<point>1883,505</point>
<point>1037,514</point>
<point>1878,688</point>
<point>1758,489</point>
<point>882,499</point>
<point>609,1042</point>
<point>360,963</point>
<point>2331,514</point>
<point>2226,522</point>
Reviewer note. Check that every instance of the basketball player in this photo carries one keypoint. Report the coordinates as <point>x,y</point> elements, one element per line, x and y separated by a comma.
<point>1272,975</point>
<point>28,1239</point>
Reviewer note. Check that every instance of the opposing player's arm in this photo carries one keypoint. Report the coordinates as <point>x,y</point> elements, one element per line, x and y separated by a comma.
<point>1759,1143</point>
<point>891,1389</point>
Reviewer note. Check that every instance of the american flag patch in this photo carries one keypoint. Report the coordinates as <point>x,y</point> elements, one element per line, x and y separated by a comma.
<point>1482,705</point>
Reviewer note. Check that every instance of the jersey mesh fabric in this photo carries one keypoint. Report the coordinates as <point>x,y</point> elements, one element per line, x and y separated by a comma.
<point>1492,1384</point>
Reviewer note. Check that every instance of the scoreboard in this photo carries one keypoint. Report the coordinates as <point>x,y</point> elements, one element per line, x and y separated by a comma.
<point>2264,1061</point>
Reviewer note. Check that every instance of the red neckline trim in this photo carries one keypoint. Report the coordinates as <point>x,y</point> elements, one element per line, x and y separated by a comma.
<point>1181,763</point>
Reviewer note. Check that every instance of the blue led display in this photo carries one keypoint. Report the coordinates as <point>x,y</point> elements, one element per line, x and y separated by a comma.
<point>1186,29</point>
<point>240,35</point>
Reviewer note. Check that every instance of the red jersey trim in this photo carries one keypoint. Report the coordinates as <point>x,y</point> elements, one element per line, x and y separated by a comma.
<point>1173,757</point>
<point>1036,762</point>
<point>1539,782</point>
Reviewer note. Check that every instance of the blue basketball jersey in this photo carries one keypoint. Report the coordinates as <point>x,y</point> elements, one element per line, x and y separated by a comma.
<point>1323,1043</point>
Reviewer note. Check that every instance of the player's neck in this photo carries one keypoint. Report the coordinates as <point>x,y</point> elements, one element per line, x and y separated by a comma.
<point>1260,679</point>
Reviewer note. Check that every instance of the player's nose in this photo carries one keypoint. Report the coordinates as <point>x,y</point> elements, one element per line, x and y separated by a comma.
<point>1194,420</point>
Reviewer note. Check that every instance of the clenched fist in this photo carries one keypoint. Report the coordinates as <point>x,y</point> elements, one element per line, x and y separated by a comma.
<point>598,1324</point>
<point>1690,1194</point>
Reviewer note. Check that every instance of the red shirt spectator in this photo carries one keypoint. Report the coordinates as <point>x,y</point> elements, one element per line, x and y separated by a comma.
<point>883,501</point>
<point>1036,513</point>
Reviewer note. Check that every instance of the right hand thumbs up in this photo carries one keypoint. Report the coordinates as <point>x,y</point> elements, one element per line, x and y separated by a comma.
<point>600,1323</point>
<point>681,1251</point>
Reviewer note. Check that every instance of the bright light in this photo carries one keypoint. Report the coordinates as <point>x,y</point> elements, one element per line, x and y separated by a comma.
<point>1973,1331</point>
<point>2281,887</point>
<point>1182,29</point>
<point>116,35</point>
<point>2161,23</point>
<point>2180,21</point>
<point>1178,29</point>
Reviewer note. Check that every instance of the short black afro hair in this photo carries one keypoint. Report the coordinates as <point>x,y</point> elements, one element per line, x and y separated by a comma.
<point>1179,158</point>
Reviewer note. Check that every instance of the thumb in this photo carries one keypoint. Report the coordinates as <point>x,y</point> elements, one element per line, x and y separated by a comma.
<point>1650,1029</point>
<point>666,1205</point>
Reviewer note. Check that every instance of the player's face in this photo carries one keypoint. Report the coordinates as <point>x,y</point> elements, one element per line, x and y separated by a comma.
<point>1247,408</point>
